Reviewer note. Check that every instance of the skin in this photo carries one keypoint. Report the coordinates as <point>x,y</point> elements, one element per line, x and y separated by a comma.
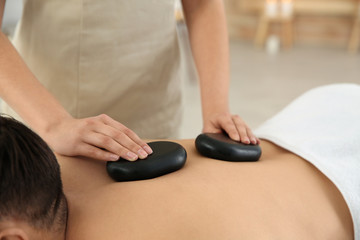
<point>281,196</point>
<point>2,6</point>
<point>206,23</point>
<point>23,92</point>
<point>104,138</point>
<point>12,229</point>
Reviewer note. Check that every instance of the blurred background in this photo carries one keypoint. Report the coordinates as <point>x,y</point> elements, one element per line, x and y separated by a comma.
<point>12,14</point>
<point>278,49</point>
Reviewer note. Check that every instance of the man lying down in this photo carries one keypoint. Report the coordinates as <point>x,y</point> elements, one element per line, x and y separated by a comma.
<point>282,196</point>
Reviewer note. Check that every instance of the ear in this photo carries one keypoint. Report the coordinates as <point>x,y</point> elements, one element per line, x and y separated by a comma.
<point>13,233</point>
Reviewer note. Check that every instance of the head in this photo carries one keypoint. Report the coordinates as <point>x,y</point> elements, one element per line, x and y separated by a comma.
<point>32,202</point>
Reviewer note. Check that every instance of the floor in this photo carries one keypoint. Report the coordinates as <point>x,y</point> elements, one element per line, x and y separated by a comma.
<point>262,84</point>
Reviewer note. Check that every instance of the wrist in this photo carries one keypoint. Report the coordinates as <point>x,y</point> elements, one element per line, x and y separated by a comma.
<point>52,122</point>
<point>214,103</point>
<point>212,113</point>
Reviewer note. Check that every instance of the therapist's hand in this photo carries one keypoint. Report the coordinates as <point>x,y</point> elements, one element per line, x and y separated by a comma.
<point>233,125</point>
<point>98,137</point>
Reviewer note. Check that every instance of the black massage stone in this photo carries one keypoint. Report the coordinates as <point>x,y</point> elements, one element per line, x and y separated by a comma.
<point>167,157</point>
<point>219,146</point>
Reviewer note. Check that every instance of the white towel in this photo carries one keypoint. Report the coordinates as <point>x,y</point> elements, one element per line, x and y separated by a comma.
<point>323,127</point>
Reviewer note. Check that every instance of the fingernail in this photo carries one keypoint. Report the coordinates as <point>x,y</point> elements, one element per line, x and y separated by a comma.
<point>148,149</point>
<point>246,140</point>
<point>253,141</point>
<point>236,137</point>
<point>142,154</point>
<point>113,157</point>
<point>132,156</point>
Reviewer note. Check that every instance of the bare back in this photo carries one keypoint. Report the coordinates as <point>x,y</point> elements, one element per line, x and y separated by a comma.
<point>280,197</point>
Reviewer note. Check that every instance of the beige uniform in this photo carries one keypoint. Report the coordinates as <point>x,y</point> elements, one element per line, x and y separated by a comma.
<point>117,57</point>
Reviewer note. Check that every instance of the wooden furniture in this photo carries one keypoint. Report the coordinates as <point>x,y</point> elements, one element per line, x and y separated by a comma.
<point>316,7</point>
<point>315,22</point>
<point>276,12</point>
<point>354,41</point>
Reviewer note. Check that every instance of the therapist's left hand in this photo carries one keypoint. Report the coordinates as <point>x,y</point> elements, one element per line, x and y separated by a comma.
<point>233,125</point>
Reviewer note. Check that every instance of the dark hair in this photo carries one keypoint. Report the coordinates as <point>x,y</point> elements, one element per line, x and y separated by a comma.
<point>30,182</point>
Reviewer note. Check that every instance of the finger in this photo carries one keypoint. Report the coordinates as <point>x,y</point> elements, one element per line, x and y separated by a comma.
<point>241,128</point>
<point>228,125</point>
<point>132,135</point>
<point>145,148</point>
<point>105,142</point>
<point>90,151</point>
<point>251,135</point>
<point>122,140</point>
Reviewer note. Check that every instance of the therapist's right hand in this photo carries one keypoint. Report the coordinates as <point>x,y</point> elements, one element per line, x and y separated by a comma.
<point>99,137</point>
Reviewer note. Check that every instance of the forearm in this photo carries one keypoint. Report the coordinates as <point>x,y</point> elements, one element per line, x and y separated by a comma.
<point>99,137</point>
<point>209,42</point>
<point>2,7</point>
<point>24,93</point>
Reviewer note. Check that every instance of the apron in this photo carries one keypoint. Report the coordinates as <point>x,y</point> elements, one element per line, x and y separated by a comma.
<point>118,57</point>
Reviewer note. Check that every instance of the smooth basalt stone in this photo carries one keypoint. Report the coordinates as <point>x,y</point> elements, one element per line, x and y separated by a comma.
<point>219,146</point>
<point>167,157</point>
